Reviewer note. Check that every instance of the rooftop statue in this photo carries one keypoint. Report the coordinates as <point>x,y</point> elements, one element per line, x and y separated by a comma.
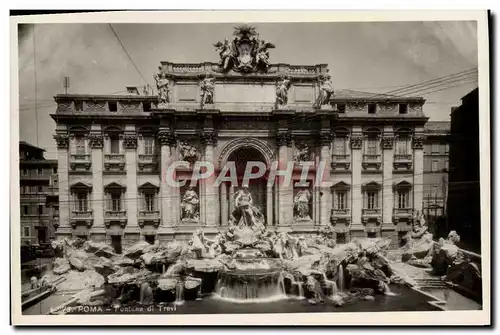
<point>163,89</point>
<point>325,91</point>
<point>245,53</point>
<point>282,88</point>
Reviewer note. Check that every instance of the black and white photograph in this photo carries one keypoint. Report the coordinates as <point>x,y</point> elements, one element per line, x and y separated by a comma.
<point>225,170</point>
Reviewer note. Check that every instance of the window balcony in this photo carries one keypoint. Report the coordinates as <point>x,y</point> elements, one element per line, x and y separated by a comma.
<point>403,162</point>
<point>371,211</point>
<point>341,162</point>
<point>372,162</point>
<point>118,217</point>
<point>146,216</point>
<point>402,214</point>
<point>147,163</point>
<point>79,162</point>
<point>114,162</point>
<point>371,215</point>
<point>339,216</point>
<point>81,217</point>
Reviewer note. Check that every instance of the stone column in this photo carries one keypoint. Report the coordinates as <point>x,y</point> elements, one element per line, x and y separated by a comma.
<point>325,202</point>
<point>96,144</point>
<point>387,180</point>
<point>269,206</point>
<point>130,145</point>
<point>167,143</point>
<point>224,215</point>
<point>356,195</point>
<point>64,228</point>
<point>284,202</point>
<point>418,170</point>
<point>231,199</point>
<point>211,193</point>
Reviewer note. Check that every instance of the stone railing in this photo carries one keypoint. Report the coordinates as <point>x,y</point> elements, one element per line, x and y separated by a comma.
<point>341,212</point>
<point>146,158</point>
<point>400,157</point>
<point>145,214</point>
<point>114,157</point>
<point>402,211</point>
<point>80,158</point>
<point>341,158</point>
<point>371,158</point>
<point>371,211</point>
<point>115,214</point>
<point>81,214</point>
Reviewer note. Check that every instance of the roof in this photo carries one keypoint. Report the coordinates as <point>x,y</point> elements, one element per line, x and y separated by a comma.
<point>353,95</point>
<point>30,146</point>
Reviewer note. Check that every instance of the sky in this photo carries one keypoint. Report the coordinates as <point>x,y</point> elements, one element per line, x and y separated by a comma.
<point>372,57</point>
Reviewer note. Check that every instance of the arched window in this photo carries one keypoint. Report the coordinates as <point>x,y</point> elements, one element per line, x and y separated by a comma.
<point>114,197</point>
<point>341,196</point>
<point>80,194</point>
<point>149,197</point>
<point>371,195</point>
<point>402,197</point>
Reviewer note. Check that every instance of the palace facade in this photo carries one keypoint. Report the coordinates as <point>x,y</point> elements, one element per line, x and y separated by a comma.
<point>114,151</point>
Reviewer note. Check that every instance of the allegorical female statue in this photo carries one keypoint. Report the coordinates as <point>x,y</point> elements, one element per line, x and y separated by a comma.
<point>282,88</point>
<point>207,90</point>
<point>325,91</point>
<point>190,205</point>
<point>245,213</point>
<point>301,204</point>
<point>163,88</point>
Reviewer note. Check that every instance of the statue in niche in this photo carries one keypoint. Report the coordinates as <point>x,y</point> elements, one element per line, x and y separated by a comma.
<point>282,88</point>
<point>246,214</point>
<point>163,88</point>
<point>190,205</point>
<point>207,86</point>
<point>302,152</point>
<point>301,203</point>
<point>325,91</point>
<point>188,152</point>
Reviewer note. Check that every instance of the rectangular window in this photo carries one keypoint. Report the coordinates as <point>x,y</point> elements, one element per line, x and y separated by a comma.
<point>403,108</point>
<point>447,165</point>
<point>340,146</point>
<point>149,201</point>
<point>40,188</point>
<point>113,107</point>
<point>372,200</point>
<point>40,209</point>
<point>435,165</point>
<point>114,145</point>
<point>372,108</point>
<point>341,108</point>
<point>148,145</point>
<point>54,170</point>
<point>26,231</point>
<point>146,106</point>
<point>341,199</point>
<point>116,202</point>
<point>39,171</point>
<point>435,148</point>
<point>372,146</point>
<point>402,146</point>
<point>403,196</point>
<point>446,149</point>
<point>80,145</point>
<point>25,172</point>
<point>79,106</point>
<point>81,203</point>
<point>26,210</point>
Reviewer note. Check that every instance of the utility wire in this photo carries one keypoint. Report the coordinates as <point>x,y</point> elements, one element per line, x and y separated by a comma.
<point>126,52</point>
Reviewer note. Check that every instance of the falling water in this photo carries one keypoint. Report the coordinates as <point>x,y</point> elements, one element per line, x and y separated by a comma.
<point>387,290</point>
<point>340,279</point>
<point>250,288</point>
<point>300,290</point>
<point>179,293</point>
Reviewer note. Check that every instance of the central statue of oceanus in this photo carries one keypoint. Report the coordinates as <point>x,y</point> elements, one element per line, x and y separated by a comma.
<point>245,213</point>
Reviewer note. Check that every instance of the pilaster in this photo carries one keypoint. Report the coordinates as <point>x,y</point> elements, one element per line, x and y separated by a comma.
<point>224,212</point>
<point>131,197</point>
<point>387,180</point>
<point>356,142</point>
<point>167,146</point>
<point>96,144</point>
<point>325,192</point>
<point>211,193</point>
<point>285,192</point>
<point>62,141</point>
<point>418,177</point>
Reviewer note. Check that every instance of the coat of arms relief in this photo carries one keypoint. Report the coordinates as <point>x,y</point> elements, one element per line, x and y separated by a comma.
<point>245,53</point>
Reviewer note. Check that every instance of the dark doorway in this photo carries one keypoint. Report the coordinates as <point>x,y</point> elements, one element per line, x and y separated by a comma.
<point>150,239</point>
<point>116,243</point>
<point>340,238</point>
<point>42,234</point>
<point>371,234</point>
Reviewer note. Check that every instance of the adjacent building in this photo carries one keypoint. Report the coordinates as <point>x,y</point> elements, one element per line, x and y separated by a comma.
<point>38,180</point>
<point>464,211</point>
<point>114,152</point>
<point>436,169</point>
